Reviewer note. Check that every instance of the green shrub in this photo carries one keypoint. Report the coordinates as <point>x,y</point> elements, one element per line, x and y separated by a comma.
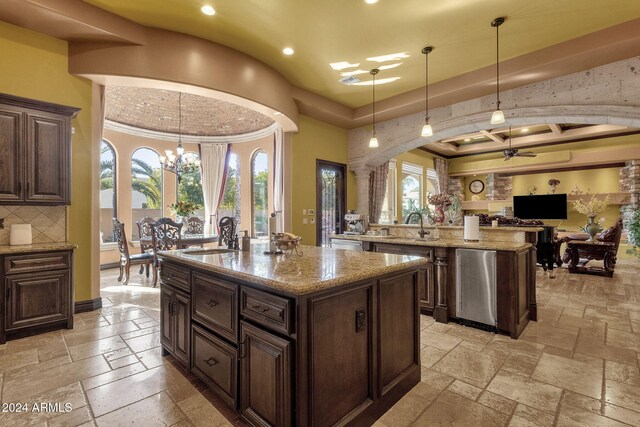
<point>634,234</point>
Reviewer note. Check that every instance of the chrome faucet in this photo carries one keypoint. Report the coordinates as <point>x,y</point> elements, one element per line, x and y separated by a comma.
<point>422,233</point>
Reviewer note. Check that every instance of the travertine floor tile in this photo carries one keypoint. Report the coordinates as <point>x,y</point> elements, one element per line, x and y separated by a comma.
<point>405,412</point>
<point>144,342</point>
<point>465,390</point>
<point>93,348</point>
<point>452,409</point>
<point>570,416</point>
<point>525,416</point>
<point>593,347</point>
<point>621,414</point>
<point>622,373</point>
<point>624,395</point>
<point>201,412</point>
<point>570,374</point>
<point>469,366</point>
<point>497,402</point>
<point>112,376</point>
<point>526,390</point>
<point>552,336</point>
<point>439,340</point>
<point>155,410</point>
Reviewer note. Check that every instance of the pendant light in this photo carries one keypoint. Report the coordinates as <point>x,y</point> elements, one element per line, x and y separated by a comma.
<point>373,142</point>
<point>498,115</point>
<point>180,164</point>
<point>426,129</point>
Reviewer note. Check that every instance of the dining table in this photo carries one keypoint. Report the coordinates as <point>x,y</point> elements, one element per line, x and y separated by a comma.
<point>187,240</point>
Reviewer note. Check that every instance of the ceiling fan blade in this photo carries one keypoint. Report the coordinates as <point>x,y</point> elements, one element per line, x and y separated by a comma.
<point>507,158</point>
<point>527,154</point>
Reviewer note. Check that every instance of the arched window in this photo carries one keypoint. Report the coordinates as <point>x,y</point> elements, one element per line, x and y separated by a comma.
<point>190,186</point>
<point>259,195</point>
<point>146,187</point>
<point>108,209</point>
<point>230,205</point>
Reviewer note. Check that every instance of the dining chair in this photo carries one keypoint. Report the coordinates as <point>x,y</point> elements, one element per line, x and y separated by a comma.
<point>126,259</point>
<point>144,230</point>
<point>195,225</point>
<point>165,235</point>
<point>227,231</point>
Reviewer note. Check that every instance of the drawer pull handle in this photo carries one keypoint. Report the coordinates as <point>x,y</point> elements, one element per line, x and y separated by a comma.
<point>211,361</point>
<point>256,306</point>
<point>171,276</point>
<point>264,310</point>
<point>211,303</point>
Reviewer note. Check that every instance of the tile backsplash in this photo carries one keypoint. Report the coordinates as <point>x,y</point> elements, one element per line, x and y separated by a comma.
<point>48,223</point>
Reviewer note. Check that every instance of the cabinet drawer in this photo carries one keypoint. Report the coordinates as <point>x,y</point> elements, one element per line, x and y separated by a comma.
<point>36,262</point>
<point>215,305</point>
<point>404,250</point>
<point>176,276</point>
<point>269,310</point>
<point>216,363</point>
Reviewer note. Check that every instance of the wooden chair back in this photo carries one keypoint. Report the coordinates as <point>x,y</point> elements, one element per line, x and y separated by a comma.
<point>195,225</point>
<point>227,231</point>
<point>144,230</point>
<point>121,238</point>
<point>165,234</point>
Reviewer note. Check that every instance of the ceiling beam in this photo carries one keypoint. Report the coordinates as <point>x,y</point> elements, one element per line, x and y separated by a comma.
<point>556,129</point>
<point>494,138</point>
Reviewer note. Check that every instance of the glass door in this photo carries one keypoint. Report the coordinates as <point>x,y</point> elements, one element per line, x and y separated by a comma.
<point>330,200</point>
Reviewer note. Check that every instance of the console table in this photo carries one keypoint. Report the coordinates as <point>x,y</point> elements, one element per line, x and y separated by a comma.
<point>591,250</point>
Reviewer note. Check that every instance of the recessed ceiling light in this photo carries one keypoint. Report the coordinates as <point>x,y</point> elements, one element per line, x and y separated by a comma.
<point>288,51</point>
<point>277,113</point>
<point>389,57</point>
<point>354,73</point>
<point>371,1</point>
<point>525,130</point>
<point>342,65</point>
<point>208,10</point>
<point>467,139</point>
<point>378,81</point>
<point>478,137</point>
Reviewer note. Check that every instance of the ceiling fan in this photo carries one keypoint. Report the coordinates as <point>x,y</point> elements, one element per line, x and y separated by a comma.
<point>509,153</point>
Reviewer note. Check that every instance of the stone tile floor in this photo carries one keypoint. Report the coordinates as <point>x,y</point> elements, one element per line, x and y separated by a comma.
<point>577,366</point>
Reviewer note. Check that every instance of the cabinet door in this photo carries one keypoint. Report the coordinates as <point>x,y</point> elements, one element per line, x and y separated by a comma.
<point>166,318</point>
<point>341,342</point>
<point>265,375</point>
<point>426,283</point>
<point>182,324</point>
<point>38,298</point>
<point>11,175</point>
<point>47,159</point>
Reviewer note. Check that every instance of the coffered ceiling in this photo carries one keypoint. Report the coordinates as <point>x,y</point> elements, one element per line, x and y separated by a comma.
<point>330,31</point>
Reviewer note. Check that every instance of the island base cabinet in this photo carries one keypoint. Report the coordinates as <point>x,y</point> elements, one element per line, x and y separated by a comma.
<point>175,323</point>
<point>265,377</point>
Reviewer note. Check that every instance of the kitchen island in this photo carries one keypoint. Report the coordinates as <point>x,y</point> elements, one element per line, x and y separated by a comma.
<point>328,338</point>
<point>515,268</point>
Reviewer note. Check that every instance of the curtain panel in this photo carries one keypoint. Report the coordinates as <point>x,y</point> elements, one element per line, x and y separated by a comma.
<point>442,171</point>
<point>213,167</point>
<point>278,178</point>
<point>377,191</point>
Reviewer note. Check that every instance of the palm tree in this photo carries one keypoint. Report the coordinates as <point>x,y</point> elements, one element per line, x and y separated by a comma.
<point>106,169</point>
<point>148,181</point>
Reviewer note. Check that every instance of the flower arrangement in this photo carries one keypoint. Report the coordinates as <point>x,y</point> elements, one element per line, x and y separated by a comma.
<point>591,207</point>
<point>553,182</point>
<point>442,199</point>
<point>184,209</point>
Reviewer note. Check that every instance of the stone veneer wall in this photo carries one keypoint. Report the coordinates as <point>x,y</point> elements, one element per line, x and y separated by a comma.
<point>630,183</point>
<point>499,187</point>
<point>456,187</point>
<point>48,223</point>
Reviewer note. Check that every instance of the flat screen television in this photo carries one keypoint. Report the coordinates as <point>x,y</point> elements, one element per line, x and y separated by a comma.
<point>545,206</point>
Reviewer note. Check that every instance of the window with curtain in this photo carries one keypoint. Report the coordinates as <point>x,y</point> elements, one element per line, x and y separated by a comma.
<point>259,195</point>
<point>388,214</point>
<point>108,209</point>
<point>230,205</point>
<point>411,188</point>
<point>146,187</point>
<point>190,187</point>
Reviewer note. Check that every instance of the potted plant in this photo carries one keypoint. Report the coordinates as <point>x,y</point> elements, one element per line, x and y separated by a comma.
<point>634,234</point>
<point>182,210</point>
<point>591,208</point>
<point>440,201</point>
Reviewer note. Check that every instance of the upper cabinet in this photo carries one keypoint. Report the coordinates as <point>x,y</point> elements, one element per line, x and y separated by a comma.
<point>35,152</point>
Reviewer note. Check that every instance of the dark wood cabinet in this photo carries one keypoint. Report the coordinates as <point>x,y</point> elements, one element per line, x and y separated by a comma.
<point>38,293</point>
<point>35,151</point>
<point>265,377</point>
<point>175,323</point>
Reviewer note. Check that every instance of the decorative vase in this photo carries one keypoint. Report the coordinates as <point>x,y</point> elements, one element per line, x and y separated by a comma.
<point>439,215</point>
<point>552,188</point>
<point>592,228</point>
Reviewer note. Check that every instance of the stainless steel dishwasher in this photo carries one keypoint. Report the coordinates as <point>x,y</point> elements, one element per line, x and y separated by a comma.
<point>476,286</point>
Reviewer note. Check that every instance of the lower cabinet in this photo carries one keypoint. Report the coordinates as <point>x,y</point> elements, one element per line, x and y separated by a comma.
<point>38,293</point>
<point>175,322</point>
<point>265,377</point>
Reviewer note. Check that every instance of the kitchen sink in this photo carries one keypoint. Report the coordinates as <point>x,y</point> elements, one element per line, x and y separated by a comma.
<point>212,251</point>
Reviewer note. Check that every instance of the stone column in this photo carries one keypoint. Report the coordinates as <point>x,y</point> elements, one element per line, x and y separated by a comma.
<point>362,184</point>
<point>456,187</point>
<point>499,187</point>
<point>630,183</point>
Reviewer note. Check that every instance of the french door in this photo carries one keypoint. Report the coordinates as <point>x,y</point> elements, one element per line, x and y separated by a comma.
<point>331,196</point>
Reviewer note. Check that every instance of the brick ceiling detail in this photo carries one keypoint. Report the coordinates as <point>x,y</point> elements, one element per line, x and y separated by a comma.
<point>157,110</point>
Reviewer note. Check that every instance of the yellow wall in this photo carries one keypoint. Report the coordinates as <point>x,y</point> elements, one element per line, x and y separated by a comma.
<point>315,141</point>
<point>468,180</point>
<point>35,66</point>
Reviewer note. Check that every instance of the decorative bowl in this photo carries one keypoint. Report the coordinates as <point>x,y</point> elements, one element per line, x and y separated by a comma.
<point>286,242</point>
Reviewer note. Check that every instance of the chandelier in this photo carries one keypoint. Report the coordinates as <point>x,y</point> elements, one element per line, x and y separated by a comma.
<point>179,164</point>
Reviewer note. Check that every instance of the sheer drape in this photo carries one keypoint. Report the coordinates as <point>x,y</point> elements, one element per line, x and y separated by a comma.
<point>213,168</point>
<point>442,171</point>
<point>278,178</point>
<point>377,191</point>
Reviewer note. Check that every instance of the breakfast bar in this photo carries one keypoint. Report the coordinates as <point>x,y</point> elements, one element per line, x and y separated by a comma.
<point>327,338</point>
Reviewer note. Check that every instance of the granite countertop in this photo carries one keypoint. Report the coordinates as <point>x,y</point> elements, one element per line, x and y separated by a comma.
<point>527,229</point>
<point>440,243</point>
<point>317,269</point>
<point>36,247</point>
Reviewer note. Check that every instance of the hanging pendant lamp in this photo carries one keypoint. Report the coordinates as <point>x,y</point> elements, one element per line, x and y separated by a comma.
<point>373,142</point>
<point>498,116</point>
<point>426,129</point>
